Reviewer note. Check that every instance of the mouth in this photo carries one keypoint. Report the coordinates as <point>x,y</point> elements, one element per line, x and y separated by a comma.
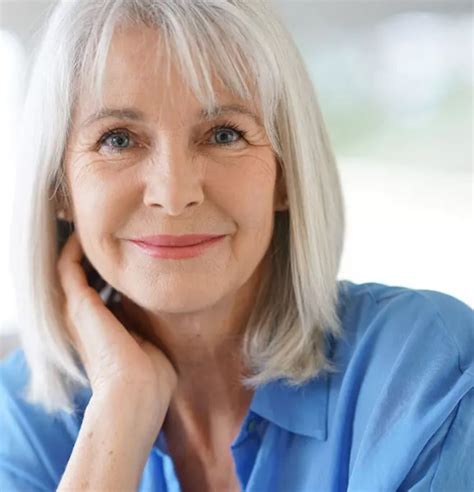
<point>178,251</point>
<point>175,240</point>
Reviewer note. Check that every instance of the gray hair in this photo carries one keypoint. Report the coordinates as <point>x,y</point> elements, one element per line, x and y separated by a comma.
<point>295,311</point>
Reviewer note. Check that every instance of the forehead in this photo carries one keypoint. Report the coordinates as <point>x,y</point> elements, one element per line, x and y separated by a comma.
<point>139,73</point>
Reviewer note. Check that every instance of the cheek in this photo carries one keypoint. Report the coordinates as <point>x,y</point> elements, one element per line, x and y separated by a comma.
<point>101,200</point>
<point>249,193</point>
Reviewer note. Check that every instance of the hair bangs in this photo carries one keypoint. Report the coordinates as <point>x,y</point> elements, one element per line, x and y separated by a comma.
<point>213,54</point>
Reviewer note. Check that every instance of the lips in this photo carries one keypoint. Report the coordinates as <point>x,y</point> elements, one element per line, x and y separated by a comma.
<point>175,241</point>
<point>179,252</point>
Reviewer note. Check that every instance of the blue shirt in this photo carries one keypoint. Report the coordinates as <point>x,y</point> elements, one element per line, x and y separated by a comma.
<point>398,416</point>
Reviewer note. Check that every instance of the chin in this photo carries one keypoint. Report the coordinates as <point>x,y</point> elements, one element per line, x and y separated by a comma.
<point>189,299</point>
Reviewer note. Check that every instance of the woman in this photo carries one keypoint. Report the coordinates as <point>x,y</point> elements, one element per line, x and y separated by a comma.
<point>191,334</point>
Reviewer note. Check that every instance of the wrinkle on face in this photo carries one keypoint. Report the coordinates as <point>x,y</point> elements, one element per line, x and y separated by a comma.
<point>150,189</point>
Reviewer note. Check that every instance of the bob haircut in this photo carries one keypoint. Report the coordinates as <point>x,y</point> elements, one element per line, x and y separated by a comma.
<point>246,45</point>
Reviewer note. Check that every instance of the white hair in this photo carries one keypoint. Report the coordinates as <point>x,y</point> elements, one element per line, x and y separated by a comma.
<point>248,47</point>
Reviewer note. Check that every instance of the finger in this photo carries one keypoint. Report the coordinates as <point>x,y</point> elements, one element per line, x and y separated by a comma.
<point>71,272</point>
<point>92,326</point>
<point>73,283</point>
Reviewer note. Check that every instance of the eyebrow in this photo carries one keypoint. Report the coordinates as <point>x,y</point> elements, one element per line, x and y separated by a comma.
<point>134,114</point>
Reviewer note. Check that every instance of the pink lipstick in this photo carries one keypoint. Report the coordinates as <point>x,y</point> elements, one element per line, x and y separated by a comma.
<point>176,247</point>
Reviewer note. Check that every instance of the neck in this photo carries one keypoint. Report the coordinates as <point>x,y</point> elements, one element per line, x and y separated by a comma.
<point>209,402</point>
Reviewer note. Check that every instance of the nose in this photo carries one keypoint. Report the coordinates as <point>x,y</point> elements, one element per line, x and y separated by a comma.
<point>173,177</point>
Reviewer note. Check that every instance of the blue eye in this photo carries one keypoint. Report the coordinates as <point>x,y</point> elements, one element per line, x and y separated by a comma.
<point>116,140</point>
<point>119,140</point>
<point>228,131</point>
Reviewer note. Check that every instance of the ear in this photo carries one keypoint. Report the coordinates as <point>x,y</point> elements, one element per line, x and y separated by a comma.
<point>64,215</point>
<point>62,208</point>
<point>62,211</point>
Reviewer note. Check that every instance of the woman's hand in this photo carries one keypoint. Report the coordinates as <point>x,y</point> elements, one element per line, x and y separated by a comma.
<point>132,382</point>
<point>114,358</point>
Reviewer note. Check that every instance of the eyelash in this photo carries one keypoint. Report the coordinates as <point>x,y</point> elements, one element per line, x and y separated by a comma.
<point>228,125</point>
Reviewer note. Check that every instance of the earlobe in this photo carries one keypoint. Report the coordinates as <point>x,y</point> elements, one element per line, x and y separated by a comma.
<point>62,203</point>
<point>62,208</point>
<point>64,215</point>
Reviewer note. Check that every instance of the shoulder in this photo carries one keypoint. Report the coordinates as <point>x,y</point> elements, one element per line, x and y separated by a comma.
<point>14,374</point>
<point>406,378</point>
<point>395,316</point>
<point>35,445</point>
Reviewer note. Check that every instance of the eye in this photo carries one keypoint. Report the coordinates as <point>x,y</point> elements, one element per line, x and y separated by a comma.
<point>227,134</point>
<point>117,140</point>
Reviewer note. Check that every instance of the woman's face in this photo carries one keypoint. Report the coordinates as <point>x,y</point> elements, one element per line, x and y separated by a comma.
<point>165,170</point>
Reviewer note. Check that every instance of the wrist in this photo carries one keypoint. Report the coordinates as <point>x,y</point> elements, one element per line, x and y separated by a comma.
<point>141,410</point>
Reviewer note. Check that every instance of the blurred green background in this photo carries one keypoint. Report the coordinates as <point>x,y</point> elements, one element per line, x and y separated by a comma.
<point>394,80</point>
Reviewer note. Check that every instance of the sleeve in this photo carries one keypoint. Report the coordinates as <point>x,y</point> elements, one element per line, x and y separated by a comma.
<point>445,464</point>
<point>455,468</point>
<point>11,481</point>
<point>414,418</point>
<point>23,463</point>
<point>20,469</point>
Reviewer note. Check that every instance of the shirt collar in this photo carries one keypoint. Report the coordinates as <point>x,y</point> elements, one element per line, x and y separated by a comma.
<point>301,410</point>
<point>298,409</point>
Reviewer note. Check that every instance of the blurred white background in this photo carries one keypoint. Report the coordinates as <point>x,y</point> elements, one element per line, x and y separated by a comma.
<point>394,80</point>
